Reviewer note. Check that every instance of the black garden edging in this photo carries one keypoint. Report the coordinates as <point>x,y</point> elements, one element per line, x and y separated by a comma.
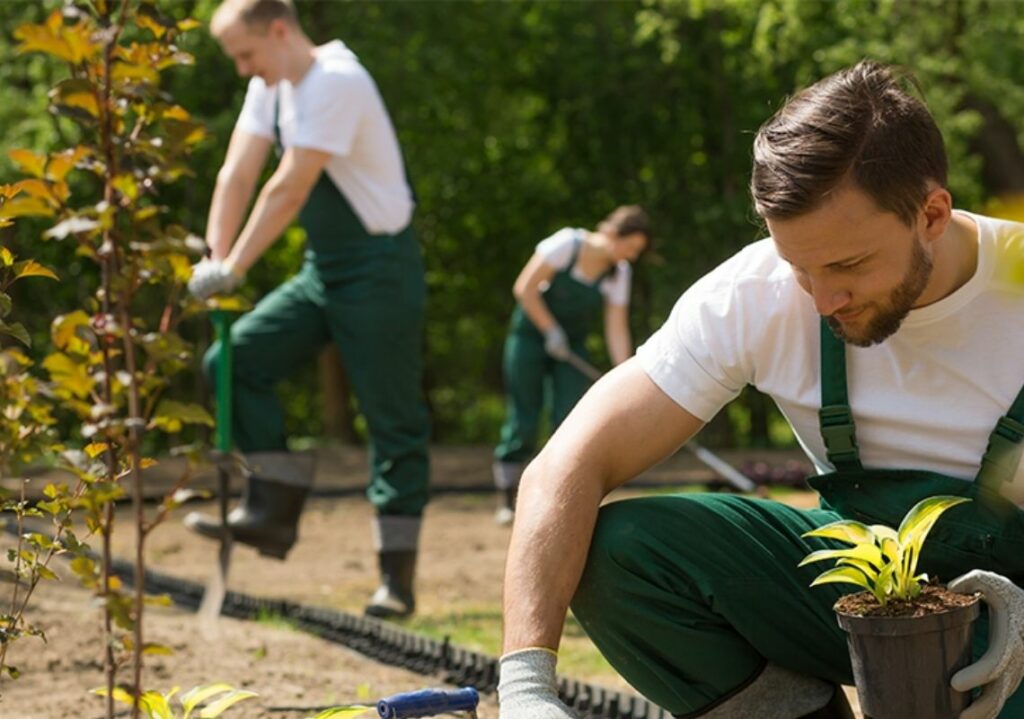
<point>390,644</point>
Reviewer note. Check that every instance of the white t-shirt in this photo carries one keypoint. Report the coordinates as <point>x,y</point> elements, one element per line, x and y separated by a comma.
<point>336,108</point>
<point>557,252</point>
<point>926,398</point>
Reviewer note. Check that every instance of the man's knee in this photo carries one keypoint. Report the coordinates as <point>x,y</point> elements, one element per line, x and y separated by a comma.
<point>620,542</point>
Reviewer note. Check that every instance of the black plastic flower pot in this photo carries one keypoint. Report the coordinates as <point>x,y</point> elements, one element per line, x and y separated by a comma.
<point>902,665</point>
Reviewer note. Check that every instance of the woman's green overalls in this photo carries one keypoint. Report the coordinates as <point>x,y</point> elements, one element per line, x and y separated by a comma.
<point>528,368</point>
<point>366,293</point>
<point>690,596</point>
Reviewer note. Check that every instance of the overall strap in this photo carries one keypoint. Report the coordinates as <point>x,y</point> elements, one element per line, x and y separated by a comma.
<point>577,240</point>
<point>278,144</point>
<point>1002,457</point>
<point>835,418</point>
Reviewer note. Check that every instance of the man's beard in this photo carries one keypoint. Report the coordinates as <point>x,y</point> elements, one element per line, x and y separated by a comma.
<point>890,316</point>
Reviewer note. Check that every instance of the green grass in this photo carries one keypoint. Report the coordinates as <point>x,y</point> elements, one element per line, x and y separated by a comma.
<point>478,627</point>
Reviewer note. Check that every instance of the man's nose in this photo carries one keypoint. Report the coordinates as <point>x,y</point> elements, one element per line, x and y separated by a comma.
<point>828,297</point>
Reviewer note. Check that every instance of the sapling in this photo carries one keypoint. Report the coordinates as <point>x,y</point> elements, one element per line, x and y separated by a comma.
<point>881,559</point>
<point>203,702</point>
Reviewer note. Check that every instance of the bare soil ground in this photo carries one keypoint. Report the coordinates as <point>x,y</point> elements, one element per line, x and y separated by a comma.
<point>458,592</point>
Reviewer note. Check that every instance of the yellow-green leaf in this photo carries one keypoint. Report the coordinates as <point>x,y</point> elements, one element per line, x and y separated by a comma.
<point>845,530</point>
<point>869,571</point>
<point>119,695</point>
<point>842,575</point>
<point>6,257</point>
<point>221,705</point>
<point>126,185</point>
<point>155,706</point>
<point>83,101</point>
<point>197,695</point>
<point>64,330</point>
<point>95,449</point>
<point>921,518</point>
<point>69,375</point>
<point>150,24</point>
<point>62,162</point>
<point>32,268</point>
<point>348,712</point>
<point>864,552</point>
<point>26,207</point>
<point>36,188</point>
<point>171,415</point>
<point>29,162</point>
<point>157,649</point>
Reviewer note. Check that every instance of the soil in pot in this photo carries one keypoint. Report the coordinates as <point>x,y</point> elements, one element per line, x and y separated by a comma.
<point>905,653</point>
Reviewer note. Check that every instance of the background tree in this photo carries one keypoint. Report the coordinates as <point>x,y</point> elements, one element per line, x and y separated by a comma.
<point>519,118</point>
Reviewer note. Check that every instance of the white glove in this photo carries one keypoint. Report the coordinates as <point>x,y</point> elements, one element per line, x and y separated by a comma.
<point>1001,667</point>
<point>527,688</point>
<point>556,343</point>
<point>213,277</point>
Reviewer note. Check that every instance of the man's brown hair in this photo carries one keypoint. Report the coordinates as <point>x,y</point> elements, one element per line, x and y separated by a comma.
<point>256,14</point>
<point>858,127</point>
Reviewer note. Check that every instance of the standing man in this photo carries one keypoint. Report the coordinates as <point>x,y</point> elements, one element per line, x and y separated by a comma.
<point>889,328</point>
<point>361,286</point>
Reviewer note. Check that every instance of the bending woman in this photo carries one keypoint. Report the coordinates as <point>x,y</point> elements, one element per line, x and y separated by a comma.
<point>573,276</point>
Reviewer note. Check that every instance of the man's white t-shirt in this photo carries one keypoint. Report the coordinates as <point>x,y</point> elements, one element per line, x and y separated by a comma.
<point>926,398</point>
<point>558,251</point>
<point>336,108</point>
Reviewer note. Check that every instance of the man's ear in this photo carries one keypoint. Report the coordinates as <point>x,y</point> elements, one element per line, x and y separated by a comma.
<point>936,212</point>
<point>278,29</point>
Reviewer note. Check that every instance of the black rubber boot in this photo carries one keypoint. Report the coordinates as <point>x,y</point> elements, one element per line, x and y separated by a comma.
<point>267,518</point>
<point>837,708</point>
<point>394,597</point>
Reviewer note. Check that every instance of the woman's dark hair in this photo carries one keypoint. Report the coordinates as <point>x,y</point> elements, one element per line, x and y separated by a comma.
<point>627,220</point>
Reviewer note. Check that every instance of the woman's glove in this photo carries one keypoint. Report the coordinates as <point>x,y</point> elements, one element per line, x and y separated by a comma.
<point>212,277</point>
<point>556,343</point>
<point>527,688</point>
<point>1000,669</point>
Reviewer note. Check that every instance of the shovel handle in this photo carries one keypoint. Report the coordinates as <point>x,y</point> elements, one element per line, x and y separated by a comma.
<point>222,333</point>
<point>427,703</point>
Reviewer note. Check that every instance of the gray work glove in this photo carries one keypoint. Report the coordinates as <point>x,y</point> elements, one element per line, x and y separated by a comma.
<point>527,688</point>
<point>556,343</point>
<point>1000,669</point>
<point>213,277</point>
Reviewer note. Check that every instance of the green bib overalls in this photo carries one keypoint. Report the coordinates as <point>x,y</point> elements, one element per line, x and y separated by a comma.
<point>690,596</point>
<point>528,368</point>
<point>366,293</point>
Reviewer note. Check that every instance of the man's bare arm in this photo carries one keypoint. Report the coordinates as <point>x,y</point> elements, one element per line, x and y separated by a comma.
<point>278,204</point>
<point>236,183</point>
<point>622,426</point>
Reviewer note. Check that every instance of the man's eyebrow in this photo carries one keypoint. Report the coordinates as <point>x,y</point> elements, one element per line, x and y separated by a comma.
<point>852,260</point>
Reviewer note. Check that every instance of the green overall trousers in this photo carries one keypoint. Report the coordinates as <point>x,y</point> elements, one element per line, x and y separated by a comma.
<point>530,371</point>
<point>366,294</point>
<point>689,596</point>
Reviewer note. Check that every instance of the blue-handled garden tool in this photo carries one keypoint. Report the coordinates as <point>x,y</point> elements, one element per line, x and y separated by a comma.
<point>420,703</point>
<point>217,587</point>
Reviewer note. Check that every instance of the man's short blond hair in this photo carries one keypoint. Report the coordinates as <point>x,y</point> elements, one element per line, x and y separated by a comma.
<point>256,14</point>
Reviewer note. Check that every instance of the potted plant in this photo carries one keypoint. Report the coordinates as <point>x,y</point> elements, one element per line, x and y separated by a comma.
<point>906,635</point>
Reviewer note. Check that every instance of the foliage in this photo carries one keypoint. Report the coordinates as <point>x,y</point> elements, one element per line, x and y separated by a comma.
<point>881,559</point>
<point>211,700</point>
<point>26,423</point>
<point>511,131</point>
<point>110,357</point>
